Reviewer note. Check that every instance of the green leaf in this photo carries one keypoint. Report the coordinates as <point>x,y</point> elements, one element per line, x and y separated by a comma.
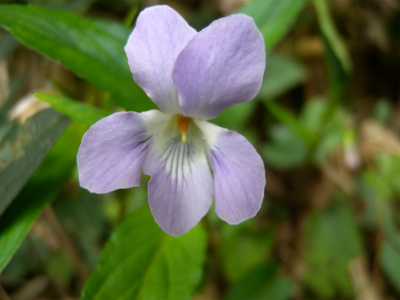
<point>337,56</point>
<point>381,111</point>
<point>82,113</point>
<point>388,168</point>
<point>289,120</point>
<point>331,240</point>
<point>242,249</point>
<point>331,35</point>
<point>285,150</point>
<point>83,221</point>
<point>7,45</point>
<point>5,126</point>
<point>262,282</point>
<point>376,184</point>
<point>92,49</point>
<point>24,148</point>
<point>332,234</point>
<point>235,117</point>
<point>281,75</point>
<point>390,262</point>
<point>41,189</point>
<point>72,5</point>
<point>140,261</point>
<point>378,211</point>
<point>273,18</point>
<point>328,127</point>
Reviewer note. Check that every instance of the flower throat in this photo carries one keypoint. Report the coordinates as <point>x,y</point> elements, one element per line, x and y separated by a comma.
<point>183,125</point>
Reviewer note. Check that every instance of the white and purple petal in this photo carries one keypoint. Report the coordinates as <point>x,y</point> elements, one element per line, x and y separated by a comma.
<point>113,150</point>
<point>221,66</point>
<point>239,174</point>
<point>181,185</point>
<point>152,48</point>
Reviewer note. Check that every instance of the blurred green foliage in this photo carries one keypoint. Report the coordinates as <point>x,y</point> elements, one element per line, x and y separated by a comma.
<point>331,241</point>
<point>333,189</point>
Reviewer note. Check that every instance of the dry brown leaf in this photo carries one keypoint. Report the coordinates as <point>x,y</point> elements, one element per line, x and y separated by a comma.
<point>376,139</point>
<point>4,91</point>
<point>364,286</point>
<point>26,108</point>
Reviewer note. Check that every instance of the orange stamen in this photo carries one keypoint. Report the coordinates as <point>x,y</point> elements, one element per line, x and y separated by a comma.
<point>183,124</point>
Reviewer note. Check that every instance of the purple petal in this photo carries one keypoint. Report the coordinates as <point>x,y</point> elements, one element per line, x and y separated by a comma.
<point>221,66</point>
<point>159,36</point>
<point>181,185</point>
<point>113,150</point>
<point>239,174</point>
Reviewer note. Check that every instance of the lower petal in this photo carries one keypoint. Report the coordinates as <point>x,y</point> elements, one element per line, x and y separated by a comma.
<point>181,185</point>
<point>239,174</point>
<point>113,150</point>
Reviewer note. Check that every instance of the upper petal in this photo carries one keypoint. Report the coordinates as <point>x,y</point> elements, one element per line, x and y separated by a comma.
<point>181,186</point>
<point>160,34</point>
<point>221,66</point>
<point>239,174</point>
<point>113,150</point>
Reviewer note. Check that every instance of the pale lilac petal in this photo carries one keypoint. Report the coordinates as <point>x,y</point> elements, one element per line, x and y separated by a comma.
<point>159,36</point>
<point>181,185</point>
<point>221,66</point>
<point>239,174</point>
<point>113,150</point>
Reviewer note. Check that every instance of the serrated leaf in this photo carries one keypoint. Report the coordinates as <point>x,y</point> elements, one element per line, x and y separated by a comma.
<point>274,18</point>
<point>92,49</point>
<point>40,190</point>
<point>140,261</point>
<point>82,113</point>
<point>24,148</point>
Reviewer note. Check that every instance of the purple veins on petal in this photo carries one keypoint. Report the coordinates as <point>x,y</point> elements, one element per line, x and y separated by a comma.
<point>181,186</point>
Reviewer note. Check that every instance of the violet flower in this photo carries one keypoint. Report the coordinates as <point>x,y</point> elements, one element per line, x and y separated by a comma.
<point>192,77</point>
